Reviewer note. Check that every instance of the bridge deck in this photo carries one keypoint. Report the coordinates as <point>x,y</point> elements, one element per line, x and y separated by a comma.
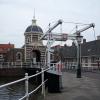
<point>85,88</point>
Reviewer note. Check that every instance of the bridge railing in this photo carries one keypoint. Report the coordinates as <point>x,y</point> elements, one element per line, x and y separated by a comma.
<point>66,65</point>
<point>84,66</point>
<point>21,64</point>
<point>26,79</point>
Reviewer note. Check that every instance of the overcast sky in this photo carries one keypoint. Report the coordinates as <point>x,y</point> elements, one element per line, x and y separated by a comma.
<point>16,16</point>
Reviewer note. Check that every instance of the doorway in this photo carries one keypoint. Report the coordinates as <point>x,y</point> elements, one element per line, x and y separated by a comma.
<point>36,56</point>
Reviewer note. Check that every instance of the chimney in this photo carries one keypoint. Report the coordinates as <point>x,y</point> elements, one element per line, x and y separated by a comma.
<point>84,41</point>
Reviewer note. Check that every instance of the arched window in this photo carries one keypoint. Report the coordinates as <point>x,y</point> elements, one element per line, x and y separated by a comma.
<point>19,56</point>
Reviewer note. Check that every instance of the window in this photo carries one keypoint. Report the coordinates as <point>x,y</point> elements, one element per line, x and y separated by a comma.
<point>28,40</point>
<point>19,56</point>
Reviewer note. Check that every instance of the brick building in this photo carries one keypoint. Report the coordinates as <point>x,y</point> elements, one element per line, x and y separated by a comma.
<point>4,48</point>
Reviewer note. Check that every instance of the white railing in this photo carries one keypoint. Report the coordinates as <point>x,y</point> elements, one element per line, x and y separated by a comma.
<point>66,65</point>
<point>56,69</point>
<point>84,66</point>
<point>20,65</point>
<point>26,79</point>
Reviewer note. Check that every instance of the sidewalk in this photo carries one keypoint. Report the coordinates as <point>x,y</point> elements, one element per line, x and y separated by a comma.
<point>85,88</point>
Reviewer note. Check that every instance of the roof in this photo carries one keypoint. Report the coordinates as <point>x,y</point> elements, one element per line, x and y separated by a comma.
<point>91,48</point>
<point>34,28</point>
<point>5,47</point>
<point>68,51</point>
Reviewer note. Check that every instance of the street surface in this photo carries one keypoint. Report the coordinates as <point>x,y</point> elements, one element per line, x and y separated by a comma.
<point>85,88</point>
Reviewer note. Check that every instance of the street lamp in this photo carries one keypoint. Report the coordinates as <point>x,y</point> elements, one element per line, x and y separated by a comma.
<point>79,39</point>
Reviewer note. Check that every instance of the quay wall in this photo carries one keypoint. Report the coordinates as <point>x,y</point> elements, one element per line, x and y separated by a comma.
<point>12,72</point>
<point>53,82</point>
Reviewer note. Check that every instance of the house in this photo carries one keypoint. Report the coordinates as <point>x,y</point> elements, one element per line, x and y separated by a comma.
<point>4,48</point>
<point>15,55</point>
<point>90,53</point>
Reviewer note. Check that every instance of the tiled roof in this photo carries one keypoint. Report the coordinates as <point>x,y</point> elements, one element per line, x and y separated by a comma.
<point>34,29</point>
<point>68,51</point>
<point>5,47</point>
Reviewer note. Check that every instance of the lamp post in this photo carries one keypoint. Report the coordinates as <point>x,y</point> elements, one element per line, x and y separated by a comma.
<point>79,39</point>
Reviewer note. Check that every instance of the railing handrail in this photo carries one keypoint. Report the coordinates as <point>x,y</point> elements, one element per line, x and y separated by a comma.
<point>20,64</point>
<point>14,82</point>
<point>26,78</point>
<point>33,90</point>
<point>22,79</point>
<point>40,64</point>
<point>83,63</point>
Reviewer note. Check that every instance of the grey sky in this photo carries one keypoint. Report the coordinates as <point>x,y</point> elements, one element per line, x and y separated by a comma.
<point>16,15</point>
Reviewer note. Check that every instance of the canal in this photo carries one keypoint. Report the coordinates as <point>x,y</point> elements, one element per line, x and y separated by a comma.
<point>16,91</point>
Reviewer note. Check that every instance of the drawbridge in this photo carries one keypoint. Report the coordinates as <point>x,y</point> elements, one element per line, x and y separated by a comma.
<point>76,37</point>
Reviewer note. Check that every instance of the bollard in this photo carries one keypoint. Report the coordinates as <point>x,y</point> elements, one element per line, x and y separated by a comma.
<point>26,86</point>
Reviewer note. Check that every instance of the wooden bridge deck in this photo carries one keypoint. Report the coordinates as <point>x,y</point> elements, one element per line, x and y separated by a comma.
<point>85,88</point>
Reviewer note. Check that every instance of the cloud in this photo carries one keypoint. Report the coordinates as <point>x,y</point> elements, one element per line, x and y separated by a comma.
<point>16,15</point>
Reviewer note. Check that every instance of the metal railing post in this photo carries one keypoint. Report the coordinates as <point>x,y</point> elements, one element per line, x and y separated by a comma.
<point>37,76</point>
<point>43,84</point>
<point>26,86</point>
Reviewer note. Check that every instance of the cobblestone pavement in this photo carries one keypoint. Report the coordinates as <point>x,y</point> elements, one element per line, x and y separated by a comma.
<point>85,88</point>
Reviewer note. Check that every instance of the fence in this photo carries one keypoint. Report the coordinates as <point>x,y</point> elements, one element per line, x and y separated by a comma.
<point>21,65</point>
<point>54,68</point>
<point>84,66</point>
<point>26,79</point>
<point>66,65</point>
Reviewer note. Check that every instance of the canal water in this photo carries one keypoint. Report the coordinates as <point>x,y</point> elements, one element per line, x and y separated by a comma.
<point>16,91</point>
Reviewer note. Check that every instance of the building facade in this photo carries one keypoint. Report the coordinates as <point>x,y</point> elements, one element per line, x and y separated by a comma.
<point>32,51</point>
<point>4,48</point>
<point>90,53</point>
<point>15,55</point>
